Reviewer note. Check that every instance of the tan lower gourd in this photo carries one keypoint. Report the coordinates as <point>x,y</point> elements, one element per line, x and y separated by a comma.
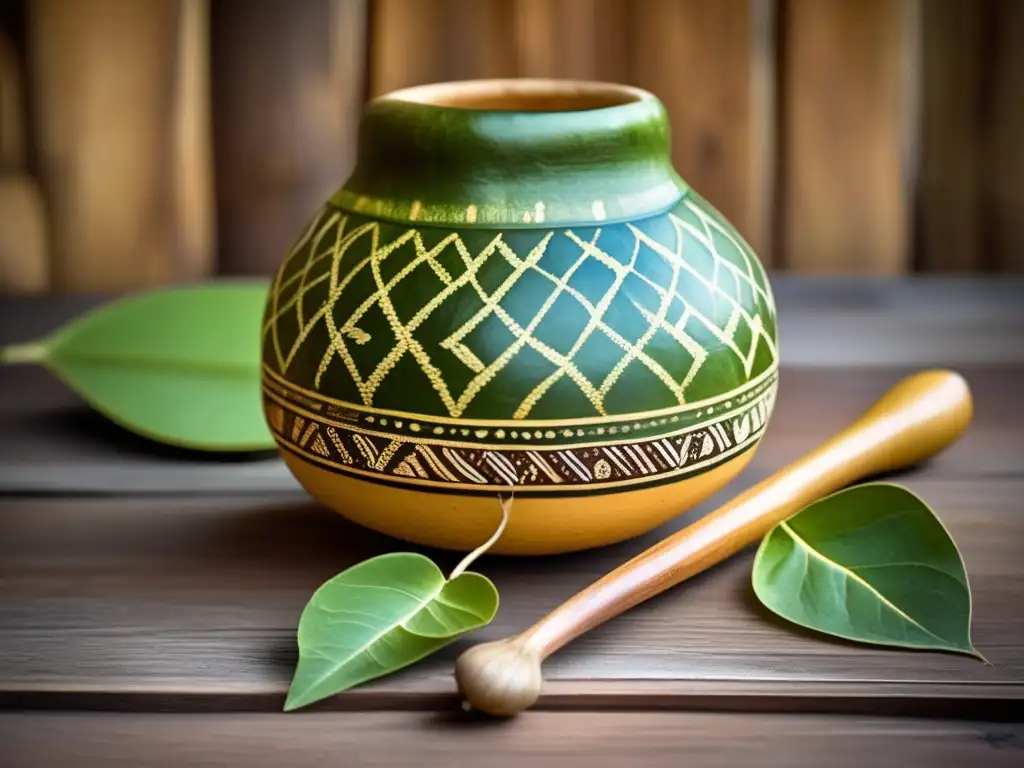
<point>915,420</point>
<point>540,525</point>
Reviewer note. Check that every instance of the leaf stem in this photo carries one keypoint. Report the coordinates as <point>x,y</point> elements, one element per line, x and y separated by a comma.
<point>32,352</point>
<point>506,510</point>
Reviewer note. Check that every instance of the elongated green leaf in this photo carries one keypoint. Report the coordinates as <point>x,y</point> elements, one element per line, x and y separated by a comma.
<point>180,366</point>
<point>384,614</point>
<point>870,563</point>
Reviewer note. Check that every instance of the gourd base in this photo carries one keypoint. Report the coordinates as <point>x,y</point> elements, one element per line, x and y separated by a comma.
<point>537,526</point>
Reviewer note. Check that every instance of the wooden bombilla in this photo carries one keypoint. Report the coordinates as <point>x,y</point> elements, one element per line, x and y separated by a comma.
<point>912,422</point>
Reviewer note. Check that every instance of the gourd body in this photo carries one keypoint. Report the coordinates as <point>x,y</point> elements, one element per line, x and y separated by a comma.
<point>599,342</point>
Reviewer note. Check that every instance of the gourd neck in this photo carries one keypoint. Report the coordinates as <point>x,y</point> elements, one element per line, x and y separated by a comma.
<point>513,153</point>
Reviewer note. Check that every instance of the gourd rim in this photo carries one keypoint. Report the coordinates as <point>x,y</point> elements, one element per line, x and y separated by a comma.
<point>522,95</point>
<point>513,153</point>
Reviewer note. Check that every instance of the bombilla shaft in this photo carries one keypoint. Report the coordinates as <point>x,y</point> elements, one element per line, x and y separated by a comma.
<point>912,422</point>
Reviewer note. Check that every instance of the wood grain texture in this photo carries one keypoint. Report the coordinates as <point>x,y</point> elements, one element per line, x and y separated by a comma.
<point>13,125</point>
<point>24,236</point>
<point>143,602</point>
<point>107,130</point>
<point>426,41</point>
<point>845,119</point>
<point>559,38</point>
<point>288,85</point>
<point>193,604</point>
<point>970,200</point>
<point>192,182</point>
<point>407,45</point>
<point>422,41</point>
<point>1006,157</point>
<point>615,41</point>
<point>950,174</point>
<point>593,738</point>
<point>700,57</point>
<point>576,39</point>
<point>762,187</point>
<point>478,39</point>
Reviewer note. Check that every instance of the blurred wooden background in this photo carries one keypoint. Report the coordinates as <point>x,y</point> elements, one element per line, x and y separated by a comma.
<point>146,142</point>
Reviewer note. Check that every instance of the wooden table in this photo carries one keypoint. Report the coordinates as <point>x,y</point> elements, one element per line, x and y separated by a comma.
<point>148,600</point>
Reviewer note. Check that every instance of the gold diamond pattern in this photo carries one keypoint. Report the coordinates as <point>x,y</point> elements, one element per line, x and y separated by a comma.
<point>347,331</point>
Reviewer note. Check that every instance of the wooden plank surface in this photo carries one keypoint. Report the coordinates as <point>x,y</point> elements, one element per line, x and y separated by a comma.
<point>422,41</point>
<point>556,38</point>
<point>425,41</point>
<point>192,183</point>
<point>599,739</point>
<point>845,114</point>
<point>123,157</point>
<point>194,602</point>
<point>190,602</point>
<point>698,57</point>
<point>24,236</point>
<point>406,44</point>
<point>288,84</point>
<point>950,177</point>
<point>13,125</point>
<point>1006,158</point>
<point>971,204</point>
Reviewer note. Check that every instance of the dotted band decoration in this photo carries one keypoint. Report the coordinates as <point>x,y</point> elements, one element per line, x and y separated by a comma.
<point>421,460</point>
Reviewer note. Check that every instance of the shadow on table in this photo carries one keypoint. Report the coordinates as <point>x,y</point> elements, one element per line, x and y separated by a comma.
<point>82,429</point>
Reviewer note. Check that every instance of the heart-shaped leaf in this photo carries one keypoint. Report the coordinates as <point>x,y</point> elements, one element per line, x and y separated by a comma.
<point>179,366</point>
<point>870,563</point>
<point>384,614</point>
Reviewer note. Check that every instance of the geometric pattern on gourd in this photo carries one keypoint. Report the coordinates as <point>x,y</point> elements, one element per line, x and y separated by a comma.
<point>647,307</point>
<point>342,448</point>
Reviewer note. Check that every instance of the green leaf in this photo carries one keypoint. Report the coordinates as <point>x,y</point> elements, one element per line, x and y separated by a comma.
<point>871,563</point>
<point>180,366</point>
<point>385,614</point>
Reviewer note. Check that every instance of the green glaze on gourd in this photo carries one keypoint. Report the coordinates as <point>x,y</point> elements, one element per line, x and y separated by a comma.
<point>429,164</point>
<point>491,281</point>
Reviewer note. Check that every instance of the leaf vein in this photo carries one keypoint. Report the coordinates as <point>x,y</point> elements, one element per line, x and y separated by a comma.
<point>929,566</point>
<point>354,623</point>
<point>863,582</point>
<point>459,608</point>
<point>327,609</point>
<point>388,588</point>
<point>365,647</point>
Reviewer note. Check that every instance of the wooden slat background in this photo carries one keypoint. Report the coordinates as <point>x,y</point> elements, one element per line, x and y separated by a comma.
<point>287,88</point>
<point>153,141</point>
